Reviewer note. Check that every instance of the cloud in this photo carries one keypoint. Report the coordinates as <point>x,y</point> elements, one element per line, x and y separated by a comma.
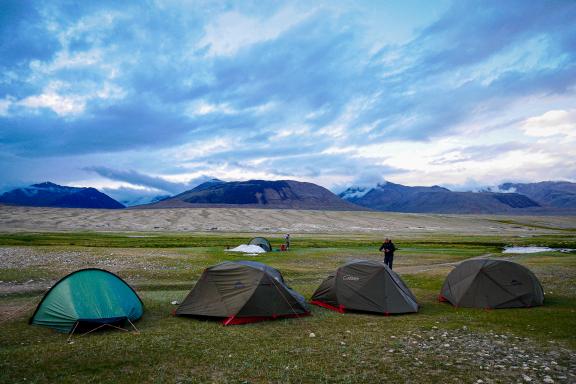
<point>551,123</point>
<point>150,182</point>
<point>335,92</point>
<point>134,196</point>
<point>232,31</point>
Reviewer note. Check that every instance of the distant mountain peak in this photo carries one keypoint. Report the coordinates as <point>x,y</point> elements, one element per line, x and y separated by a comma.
<point>384,184</point>
<point>46,184</point>
<point>388,196</point>
<point>354,192</point>
<point>48,194</point>
<point>558,194</point>
<point>280,194</point>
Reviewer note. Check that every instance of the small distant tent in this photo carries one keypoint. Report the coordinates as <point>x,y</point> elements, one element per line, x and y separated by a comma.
<point>367,286</point>
<point>492,284</point>
<point>242,292</point>
<point>262,243</point>
<point>87,299</point>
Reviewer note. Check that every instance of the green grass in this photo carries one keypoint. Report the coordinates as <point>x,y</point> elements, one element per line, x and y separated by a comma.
<point>531,225</point>
<point>170,349</point>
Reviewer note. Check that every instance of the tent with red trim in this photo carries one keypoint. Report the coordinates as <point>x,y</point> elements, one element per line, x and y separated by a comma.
<point>366,286</point>
<point>492,284</point>
<point>242,292</point>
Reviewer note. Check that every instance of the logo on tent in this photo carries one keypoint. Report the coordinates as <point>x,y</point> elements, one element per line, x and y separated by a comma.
<point>350,278</point>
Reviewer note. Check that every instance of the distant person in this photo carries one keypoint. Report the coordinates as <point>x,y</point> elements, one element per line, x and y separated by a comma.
<point>287,241</point>
<point>388,248</point>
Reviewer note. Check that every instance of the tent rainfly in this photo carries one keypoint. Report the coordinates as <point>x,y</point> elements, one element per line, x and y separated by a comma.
<point>492,284</point>
<point>367,286</point>
<point>262,243</point>
<point>87,299</point>
<point>242,292</point>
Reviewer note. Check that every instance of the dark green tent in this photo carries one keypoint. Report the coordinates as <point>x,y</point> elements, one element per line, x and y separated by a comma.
<point>490,283</point>
<point>367,286</point>
<point>242,292</point>
<point>87,299</point>
<point>262,243</point>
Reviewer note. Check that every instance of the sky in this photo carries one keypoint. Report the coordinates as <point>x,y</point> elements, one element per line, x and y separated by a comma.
<point>146,98</point>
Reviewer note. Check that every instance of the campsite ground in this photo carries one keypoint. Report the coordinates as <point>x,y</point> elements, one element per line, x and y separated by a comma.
<point>439,344</point>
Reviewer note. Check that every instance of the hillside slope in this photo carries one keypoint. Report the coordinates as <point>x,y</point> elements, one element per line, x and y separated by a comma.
<point>53,195</point>
<point>282,194</point>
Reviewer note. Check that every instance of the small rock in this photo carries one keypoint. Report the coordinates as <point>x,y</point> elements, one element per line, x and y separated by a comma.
<point>527,378</point>
<point>174,302</point>
<point>548,379</point>
<point>312,334</point>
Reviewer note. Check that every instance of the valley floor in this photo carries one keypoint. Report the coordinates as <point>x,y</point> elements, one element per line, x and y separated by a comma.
<point>440,344</point>
<point>272,221</point>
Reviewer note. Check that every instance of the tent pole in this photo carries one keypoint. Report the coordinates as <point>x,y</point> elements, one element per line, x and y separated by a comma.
<point>72,333</point>
<point>133,326</point>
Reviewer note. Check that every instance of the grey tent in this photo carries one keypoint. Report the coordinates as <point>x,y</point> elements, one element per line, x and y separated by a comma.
<point>242,292</point>
<point>368,286</point>
<point>490,283</point>
<point>262,243</point>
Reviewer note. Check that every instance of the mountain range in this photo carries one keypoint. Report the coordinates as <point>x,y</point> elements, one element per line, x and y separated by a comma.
<point>530,198</point>
<point>53,195</point>
<point>548,197</point>
<point>561,194</point>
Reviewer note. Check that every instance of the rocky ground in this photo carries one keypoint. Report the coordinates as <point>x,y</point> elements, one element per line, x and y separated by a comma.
<point>495,357</point>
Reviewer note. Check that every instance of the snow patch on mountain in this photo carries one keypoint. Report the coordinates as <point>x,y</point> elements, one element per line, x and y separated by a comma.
<point>354,192</point>
<point>496,189</point>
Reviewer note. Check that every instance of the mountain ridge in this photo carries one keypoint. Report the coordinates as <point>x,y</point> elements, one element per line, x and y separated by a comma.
<point>435,199</point>
<point>48,194</point>
<point>282,194</point>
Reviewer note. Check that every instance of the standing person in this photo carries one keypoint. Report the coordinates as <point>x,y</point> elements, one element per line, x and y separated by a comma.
<point>287,241</point>
<point>388,248</point>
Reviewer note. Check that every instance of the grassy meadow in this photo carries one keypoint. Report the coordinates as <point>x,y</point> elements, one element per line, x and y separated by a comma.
<point>439,344</point>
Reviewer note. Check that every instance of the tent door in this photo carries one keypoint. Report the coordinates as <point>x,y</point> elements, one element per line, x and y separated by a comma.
<point>87,325</point>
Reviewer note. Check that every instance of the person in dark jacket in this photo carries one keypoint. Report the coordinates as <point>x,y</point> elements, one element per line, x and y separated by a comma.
<point>388,248</point>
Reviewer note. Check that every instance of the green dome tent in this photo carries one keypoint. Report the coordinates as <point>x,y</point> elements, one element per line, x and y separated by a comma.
<point>490,283</point>
<point>262,243</point>
<point>87,299</point>
<point>365,286</point>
